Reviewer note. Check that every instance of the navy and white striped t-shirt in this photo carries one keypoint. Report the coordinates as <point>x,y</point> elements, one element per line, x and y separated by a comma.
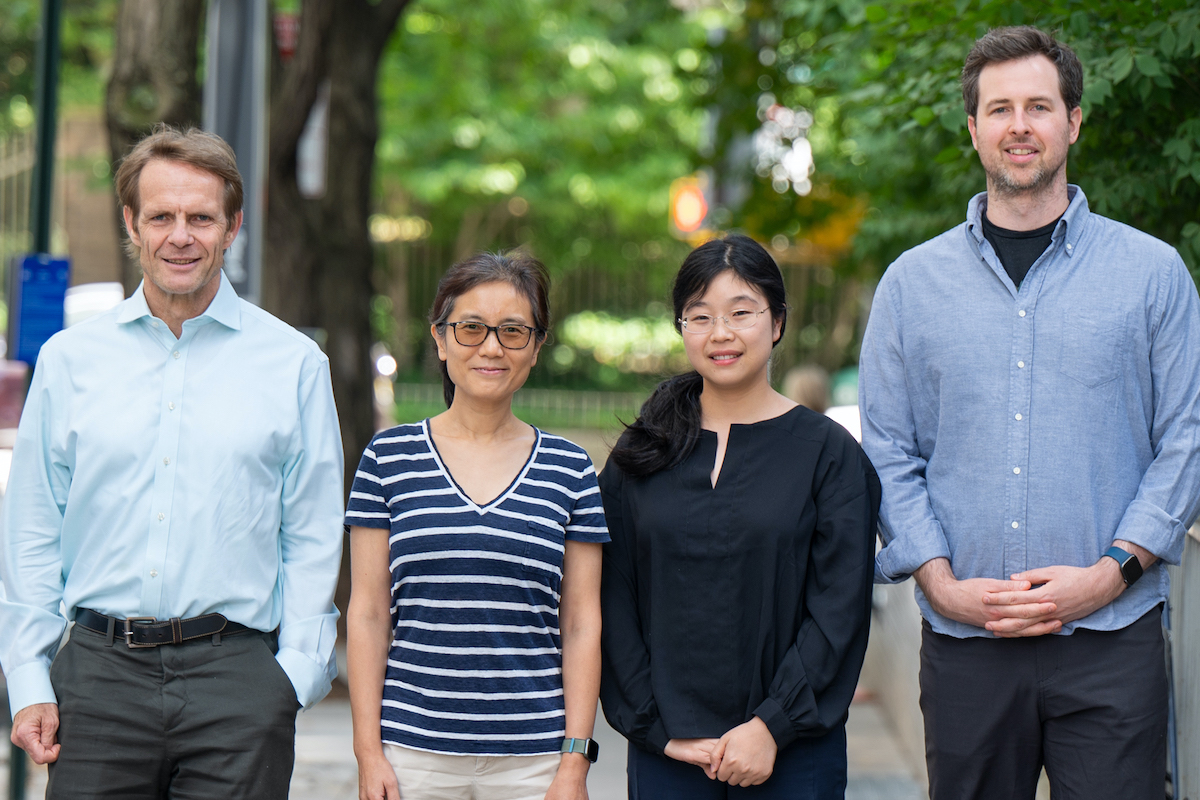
<point>475,666</point>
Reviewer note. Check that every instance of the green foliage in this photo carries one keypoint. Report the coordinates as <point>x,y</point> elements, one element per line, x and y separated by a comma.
<point>554,124</point>
<point>87,41</point>
<point>882,82</point>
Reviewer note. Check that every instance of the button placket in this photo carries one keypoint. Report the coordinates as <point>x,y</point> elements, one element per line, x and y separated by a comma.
<point>166,455</point>
<point>1018,432</point>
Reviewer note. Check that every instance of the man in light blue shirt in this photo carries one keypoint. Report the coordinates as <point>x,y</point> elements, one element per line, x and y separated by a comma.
<point>176,490</point>
<point>1029,395</point>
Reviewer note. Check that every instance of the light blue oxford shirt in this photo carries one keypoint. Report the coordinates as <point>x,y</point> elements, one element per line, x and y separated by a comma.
<point>164,477</point>
<point>1021,429</point>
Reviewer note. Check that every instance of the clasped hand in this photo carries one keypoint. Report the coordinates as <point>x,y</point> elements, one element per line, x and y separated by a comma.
<point>1032,603</point>
<point>744,756</point>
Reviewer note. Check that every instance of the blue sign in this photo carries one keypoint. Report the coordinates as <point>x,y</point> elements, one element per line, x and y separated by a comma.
<point>37,287</point>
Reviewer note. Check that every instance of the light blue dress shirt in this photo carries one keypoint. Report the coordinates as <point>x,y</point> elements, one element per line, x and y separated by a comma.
<point>164,477</point>
<point>1022,429</point>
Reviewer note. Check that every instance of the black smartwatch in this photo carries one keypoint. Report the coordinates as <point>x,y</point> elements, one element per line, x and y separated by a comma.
<point>1131,568</point>
<point>585,747</point>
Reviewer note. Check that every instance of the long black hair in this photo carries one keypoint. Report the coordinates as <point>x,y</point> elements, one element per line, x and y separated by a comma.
<point>517,268</point>
<point>668,425</point>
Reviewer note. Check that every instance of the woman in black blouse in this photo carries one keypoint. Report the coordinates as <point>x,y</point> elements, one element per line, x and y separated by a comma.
<point>736,589</point>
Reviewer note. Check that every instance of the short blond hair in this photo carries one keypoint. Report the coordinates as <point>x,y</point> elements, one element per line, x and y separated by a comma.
<point>194,147</point>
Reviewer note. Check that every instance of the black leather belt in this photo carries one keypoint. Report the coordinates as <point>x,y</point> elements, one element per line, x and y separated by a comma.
<point>149,632</point>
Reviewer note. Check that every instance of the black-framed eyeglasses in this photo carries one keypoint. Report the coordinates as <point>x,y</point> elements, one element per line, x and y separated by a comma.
<point>510,337</point>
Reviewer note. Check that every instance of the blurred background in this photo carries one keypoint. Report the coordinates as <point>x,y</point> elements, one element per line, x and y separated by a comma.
<point>606,137</point>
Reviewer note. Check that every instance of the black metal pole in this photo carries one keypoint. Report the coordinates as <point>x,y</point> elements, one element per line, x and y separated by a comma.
<point>49,53</point>
<point>46,108</point>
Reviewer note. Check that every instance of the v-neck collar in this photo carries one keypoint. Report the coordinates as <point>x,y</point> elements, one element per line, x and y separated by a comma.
<point>466,498</point>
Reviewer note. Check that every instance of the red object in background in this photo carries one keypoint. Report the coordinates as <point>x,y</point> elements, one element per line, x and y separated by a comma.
<point>12,392</point>
<point>287,31</point>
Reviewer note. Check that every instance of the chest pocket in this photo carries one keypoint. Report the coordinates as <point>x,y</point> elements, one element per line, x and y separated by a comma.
<point>544,556</point>
<point>1091,348</point>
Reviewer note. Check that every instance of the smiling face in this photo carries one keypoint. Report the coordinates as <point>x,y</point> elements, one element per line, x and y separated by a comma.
<point>1022,128</point>
<point>181,234</point>
<point>488,371</point>
<point>727,358</point>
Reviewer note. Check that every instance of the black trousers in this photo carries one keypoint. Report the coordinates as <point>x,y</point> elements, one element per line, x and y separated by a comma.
<point>807,769</point>
<point>195,721</point>
<point>1090,707</point>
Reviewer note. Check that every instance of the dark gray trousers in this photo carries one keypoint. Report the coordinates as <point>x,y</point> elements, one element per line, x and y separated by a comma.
<point>1090,707</point>
<point>194,721</point>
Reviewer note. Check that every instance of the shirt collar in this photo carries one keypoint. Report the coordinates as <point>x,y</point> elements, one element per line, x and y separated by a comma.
<point>224,308</point>
<point>1070,225</point>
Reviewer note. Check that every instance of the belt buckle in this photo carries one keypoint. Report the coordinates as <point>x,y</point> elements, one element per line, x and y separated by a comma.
<point>128,631</point>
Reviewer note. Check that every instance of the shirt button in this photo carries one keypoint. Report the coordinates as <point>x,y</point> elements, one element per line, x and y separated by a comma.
<point>171,406</point>
<point>153,573</point>
<point>1069,246</point>
<point>1021,365</point>
<point>161,516</point>
<point>1021,313</point>
<point>1019,417</point>
<point>167,461</point>
<point>1016,524</point>
<point>1016,470</point>
<point>175,354</point>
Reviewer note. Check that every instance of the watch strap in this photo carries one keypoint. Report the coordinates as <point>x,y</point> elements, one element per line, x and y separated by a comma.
<point>1131,567</point>
<point>588,748</point>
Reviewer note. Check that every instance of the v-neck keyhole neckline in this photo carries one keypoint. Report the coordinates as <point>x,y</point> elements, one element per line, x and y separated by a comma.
<point>481,508</point>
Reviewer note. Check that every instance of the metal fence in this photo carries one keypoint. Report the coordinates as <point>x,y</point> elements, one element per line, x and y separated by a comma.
<point>556,408</point>
<point>17,154</point>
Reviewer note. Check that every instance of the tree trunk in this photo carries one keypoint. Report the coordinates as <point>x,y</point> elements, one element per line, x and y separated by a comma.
<point>319,258</point>
<point>155,60</point>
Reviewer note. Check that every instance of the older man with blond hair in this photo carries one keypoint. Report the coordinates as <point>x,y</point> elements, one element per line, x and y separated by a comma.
<point>176,492</point>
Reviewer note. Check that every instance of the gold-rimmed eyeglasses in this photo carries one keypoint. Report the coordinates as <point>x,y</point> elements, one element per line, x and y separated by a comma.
<point>473,334</point>
<point>736,320</point>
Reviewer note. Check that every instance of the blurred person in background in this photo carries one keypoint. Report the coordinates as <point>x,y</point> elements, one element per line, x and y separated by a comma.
<point>737,586</point>
<point>1030,393</point>
<point>474,618</point>
<point>176,487</point>
<point>808,385</point>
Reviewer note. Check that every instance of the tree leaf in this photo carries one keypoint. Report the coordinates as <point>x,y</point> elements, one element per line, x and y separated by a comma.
<point>947,155</point>
<point>1122,66</point>
<point>1148,65</point>
<point>954,119</point>
<point>1167,43</point>
<point>923,115</point>
<point>876,14</point>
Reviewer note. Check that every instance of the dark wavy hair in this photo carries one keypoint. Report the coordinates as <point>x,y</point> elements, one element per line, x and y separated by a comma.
<point>1021,41</point>
<point>518,269</point>
<point>668,426</point>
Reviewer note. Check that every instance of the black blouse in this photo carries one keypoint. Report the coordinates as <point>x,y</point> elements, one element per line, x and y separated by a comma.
<point>751,598</point>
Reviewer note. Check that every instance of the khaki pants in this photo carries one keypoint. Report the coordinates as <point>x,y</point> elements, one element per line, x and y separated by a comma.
<point>438,776</point>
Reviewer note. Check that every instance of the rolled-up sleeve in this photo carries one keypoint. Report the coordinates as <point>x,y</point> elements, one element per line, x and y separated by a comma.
<point>311,543</point>
<point>909,529</point>
<point>1167,499</point>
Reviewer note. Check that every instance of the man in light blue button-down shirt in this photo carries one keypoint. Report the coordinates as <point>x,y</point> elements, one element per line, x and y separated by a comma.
<point>1029,395</point>
<point>178,459</point>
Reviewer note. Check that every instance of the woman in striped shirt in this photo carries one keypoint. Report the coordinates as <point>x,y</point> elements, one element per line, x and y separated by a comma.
<point>474,617</point>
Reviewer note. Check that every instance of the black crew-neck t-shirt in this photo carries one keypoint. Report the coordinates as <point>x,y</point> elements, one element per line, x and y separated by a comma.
<point>1017,250</point>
